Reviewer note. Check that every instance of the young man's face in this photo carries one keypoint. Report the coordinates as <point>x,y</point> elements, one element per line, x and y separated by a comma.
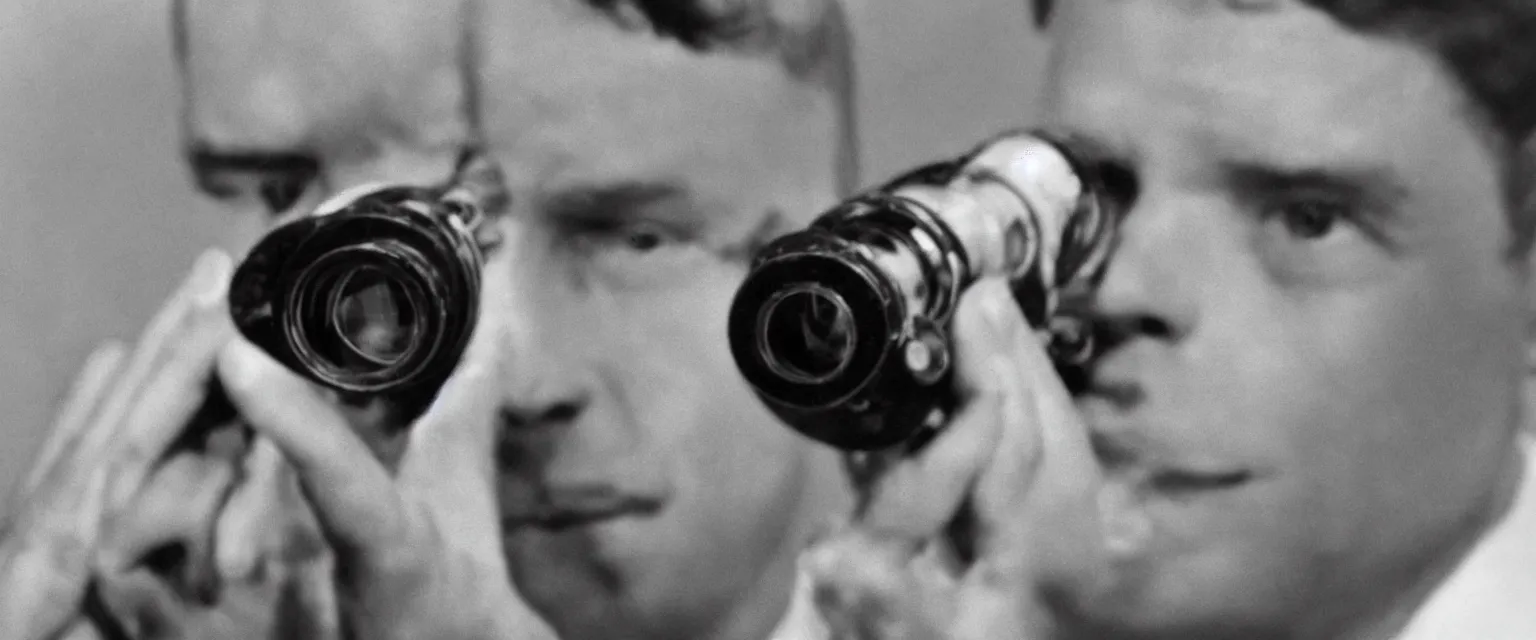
<point>1324,339</point>
<point>645,491</point>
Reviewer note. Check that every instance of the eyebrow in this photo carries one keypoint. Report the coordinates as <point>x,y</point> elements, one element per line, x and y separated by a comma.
<point>608,203</point>
<point>1377,188</point>
<point>206,157</point>
<point>208,161</point>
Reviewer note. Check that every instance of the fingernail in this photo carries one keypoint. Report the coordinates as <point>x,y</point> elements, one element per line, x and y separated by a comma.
<point>210,277</point>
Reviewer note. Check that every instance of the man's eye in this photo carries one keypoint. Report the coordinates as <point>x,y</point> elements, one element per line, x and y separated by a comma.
<point>1324,237</point>
<point>644,239</point>
<point>639,254</point>
<point>1310,219</point>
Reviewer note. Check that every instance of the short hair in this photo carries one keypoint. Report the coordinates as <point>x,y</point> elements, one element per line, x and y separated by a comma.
<point>811,37</point>
<point>1489,47</point>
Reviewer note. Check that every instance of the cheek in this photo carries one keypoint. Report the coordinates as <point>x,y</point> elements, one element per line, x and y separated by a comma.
<point>726,453</point>
<point>685,380</point>
<point>1422,370</point>
<point>1375,405</point>
<point>1386,365</point>
<point>1367,404</point>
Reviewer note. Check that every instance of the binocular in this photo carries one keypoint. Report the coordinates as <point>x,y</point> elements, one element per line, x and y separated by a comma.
<point>842,329</point>
<point>377,290</point>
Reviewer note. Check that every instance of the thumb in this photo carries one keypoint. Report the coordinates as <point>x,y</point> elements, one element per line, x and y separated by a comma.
<point>351,492</point>
<point>448,469</point>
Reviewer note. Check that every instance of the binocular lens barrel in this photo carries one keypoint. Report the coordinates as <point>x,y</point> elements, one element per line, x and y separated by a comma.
<point>842,328</point>
<point>377,295</point>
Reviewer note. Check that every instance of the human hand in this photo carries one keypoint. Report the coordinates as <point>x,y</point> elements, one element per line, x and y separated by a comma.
<point>961,539</point>
<point>418,555</point>
<point>273,575</point>
<point>123,415</point>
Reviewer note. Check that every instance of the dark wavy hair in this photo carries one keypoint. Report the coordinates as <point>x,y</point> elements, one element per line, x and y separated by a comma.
<point>1489,46</point>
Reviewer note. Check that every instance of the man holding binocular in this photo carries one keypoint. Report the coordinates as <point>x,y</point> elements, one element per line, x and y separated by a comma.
<point>624,159</point>
<point>1305,419</point>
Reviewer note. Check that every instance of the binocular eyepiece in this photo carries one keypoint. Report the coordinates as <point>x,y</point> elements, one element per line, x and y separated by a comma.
<point>842,328</point>
<point>375,292</point>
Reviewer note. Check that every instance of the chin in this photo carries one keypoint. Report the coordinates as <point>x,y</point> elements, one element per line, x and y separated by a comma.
<point>599,585</point>
<point>564,578</point>
<point>1231,612</point>
<point>1199,586</point>
<point>610,545</point>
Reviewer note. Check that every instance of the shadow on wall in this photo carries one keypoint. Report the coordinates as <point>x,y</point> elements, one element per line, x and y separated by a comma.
<point>101,219</point>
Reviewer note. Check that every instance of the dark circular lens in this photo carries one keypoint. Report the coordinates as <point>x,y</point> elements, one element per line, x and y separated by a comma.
<point>361,313</point>
<point>807,334</point>
<point>377,297</point>
<point>373,315</point>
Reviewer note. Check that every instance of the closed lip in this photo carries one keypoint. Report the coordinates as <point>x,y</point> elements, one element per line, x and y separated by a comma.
<point>1124,444</point>
<point>558,508</point>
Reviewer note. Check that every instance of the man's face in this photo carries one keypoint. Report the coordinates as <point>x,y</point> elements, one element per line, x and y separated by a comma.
<point>642,484</point>
<point>1322,325</point>
<point>640,478</point>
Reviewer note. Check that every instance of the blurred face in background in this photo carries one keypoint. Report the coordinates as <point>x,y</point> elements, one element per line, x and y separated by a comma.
<point>1312,404</point>
<point>286,103</point>
<point>647,149</point>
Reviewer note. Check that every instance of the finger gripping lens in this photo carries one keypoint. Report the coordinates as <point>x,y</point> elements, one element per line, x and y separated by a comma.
<point>377,296</point>
<point>842,328</point>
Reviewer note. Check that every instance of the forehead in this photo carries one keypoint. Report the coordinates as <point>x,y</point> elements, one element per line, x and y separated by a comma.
<point>571,99</point>
<point>559,91</point>
<point>1279,79</point>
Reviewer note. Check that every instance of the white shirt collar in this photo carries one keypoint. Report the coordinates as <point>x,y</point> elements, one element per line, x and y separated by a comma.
<point>1492,594</point>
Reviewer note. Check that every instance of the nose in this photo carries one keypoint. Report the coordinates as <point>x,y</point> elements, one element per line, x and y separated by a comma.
<point>546,340</point>
<point>1149,287</point>
<point>539,403</point>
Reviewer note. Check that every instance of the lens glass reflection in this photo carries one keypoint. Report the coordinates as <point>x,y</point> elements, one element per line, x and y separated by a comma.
<point>373,316</point>
<point>808,335</point>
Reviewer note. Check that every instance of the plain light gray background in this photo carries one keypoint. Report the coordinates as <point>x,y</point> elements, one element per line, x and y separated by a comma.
<point>99,217</point>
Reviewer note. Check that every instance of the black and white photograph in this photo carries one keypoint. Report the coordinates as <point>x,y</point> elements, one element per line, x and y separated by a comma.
<point>768,320</point>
